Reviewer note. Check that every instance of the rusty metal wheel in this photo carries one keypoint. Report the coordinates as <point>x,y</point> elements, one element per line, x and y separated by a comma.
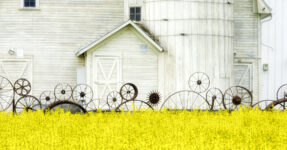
<point>114,99</point>
<point>282,92</point>
<point>280,104</point>
<point>67,106</point>
<point>22,87</point>
<point>185,99</point>
<point>236,96</point>
<point>263,104</point>
<point>153,98</point>
<point>199,82</point>
<point>63,91</point>
<point>26,103</point>
<point>129,91</point>
<point>133,105</point>
<point>82,93</point>
<point>6,93</point>
<point>214,97</point>
<point>47,98</point>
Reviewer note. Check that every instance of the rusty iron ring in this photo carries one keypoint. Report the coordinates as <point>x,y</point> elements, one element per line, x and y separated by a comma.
<point>129,91</point>
<point>27,102</point>
<point>199,82</point>
<point>128,101</point>
<point>63,91</point>
<point>58,103</point>
<point>237,98</point>
<point>5,87</point>
<point>22,87</point>
<point>82,93</point>
<point>214,95</point>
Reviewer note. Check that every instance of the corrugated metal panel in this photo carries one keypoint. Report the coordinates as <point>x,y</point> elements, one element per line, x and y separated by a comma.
<point>274,49</point>
<point>52,34</point>
<point>197,35</point>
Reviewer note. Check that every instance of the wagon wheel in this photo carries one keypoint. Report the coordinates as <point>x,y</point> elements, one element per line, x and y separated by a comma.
<point>46,98</point>
<point>93,105</point>
<point>278,104</point>
<point>63,91</point>
<point>22,87</point>
<point>199,82</point>
<point>26,103</point>
<point>6,93</point>
<point>114,99</point>
<point>133,105</point>
<point>153,98</point>
<point>263,104</point>
<point>214,97</point>
<point>129,91</point>
<point>67,106</point>
<point>82,93</point>
<point>185,100</point>
<point>236,96</point>
<point>282,92</point>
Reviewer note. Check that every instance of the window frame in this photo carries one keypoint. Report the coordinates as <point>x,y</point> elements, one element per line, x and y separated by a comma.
<point>135,13</point>
<point>22,5</point>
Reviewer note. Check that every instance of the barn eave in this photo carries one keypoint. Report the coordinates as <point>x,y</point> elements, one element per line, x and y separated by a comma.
<point>81,51</point>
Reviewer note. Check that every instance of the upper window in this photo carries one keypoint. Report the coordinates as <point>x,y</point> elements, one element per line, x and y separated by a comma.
<point>29,3</point>
<point>135,13</point>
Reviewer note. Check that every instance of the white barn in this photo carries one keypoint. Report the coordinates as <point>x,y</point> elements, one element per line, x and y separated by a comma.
<point>94,42</point>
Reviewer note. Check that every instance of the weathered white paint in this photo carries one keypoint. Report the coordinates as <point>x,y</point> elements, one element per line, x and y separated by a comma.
<point>51,33</point>
<point>120,59</point>
<point>274,49</point>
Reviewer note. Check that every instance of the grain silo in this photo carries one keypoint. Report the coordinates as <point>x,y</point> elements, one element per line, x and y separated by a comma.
<point>197,36</point>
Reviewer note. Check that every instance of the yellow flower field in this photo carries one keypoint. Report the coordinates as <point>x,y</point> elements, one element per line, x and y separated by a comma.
<point>243,129</point>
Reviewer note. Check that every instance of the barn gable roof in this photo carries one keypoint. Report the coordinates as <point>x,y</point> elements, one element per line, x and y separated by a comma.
<point>129,22</point>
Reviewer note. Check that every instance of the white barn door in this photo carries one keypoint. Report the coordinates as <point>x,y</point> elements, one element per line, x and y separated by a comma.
<point>243,75</point>
<point>107,76</point>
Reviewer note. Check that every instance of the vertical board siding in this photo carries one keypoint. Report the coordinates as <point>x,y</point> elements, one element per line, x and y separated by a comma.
<point>53,32</point>
<point>274,49</point>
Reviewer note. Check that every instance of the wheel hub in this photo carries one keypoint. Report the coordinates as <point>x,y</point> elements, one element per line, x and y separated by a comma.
<point>199,82</point>
<point>82,94</point>
<point>114,99</point>
<point>128,92</point>
<point>63,92</point>
<point>48,98</point>
<point>154,98</point>
<point>214,97</point>
<point>236,100</point>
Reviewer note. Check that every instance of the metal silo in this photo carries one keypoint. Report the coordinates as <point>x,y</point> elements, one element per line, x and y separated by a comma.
<point>197,36</point>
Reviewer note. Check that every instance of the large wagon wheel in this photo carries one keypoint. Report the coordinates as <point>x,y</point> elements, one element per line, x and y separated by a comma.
<point>214,97</point>
<point>26,103</point>
<point>278,104</point>
<point>47,98</point>
<point>282,92</point>
<point>67,106</point>
<point>133,105</point>
<point>114,99</point>
<point>199,82</point>
<point>6,93</point>
<point>63,91</point>
<point>22,87</point>
<point>185,100</point>
<point>82,93</point>
<point>236,96</point>
<point>129,91</point>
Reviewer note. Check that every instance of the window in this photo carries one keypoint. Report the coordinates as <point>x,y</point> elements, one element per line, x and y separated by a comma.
<point>29,3</point>
<point>135,13</point>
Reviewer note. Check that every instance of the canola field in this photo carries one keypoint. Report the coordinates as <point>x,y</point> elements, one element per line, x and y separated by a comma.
<point>243,129</point>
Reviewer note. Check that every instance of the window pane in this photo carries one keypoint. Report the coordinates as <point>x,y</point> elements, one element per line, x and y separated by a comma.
<point>132,16</point>
<point>138,10</point>
<point>29,3</point>
<point>132,10</point>
<point>138,17</point>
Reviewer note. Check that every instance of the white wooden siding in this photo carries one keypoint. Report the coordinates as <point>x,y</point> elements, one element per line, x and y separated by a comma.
<point>53,32</point>
<point>274,49</point>
<point>137,66</point>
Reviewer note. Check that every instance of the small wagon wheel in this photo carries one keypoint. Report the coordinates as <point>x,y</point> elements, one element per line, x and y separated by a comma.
<point>133,105</point>
<point>46,98</point>
<point>82,93</point>
<point>154,98</point>
<point>26,103</point>
<point>63,91</point>
<point>236,96</point>
<point>6,93</point>
<point>129,91</point>
<point>282,92</point>
<point>214,97</point>
<point>185,99</point>
<point>22,87</point>
<point>280,104</point>
<point>199,82</point>
<point>67,106</point>
<point>114,99</point>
